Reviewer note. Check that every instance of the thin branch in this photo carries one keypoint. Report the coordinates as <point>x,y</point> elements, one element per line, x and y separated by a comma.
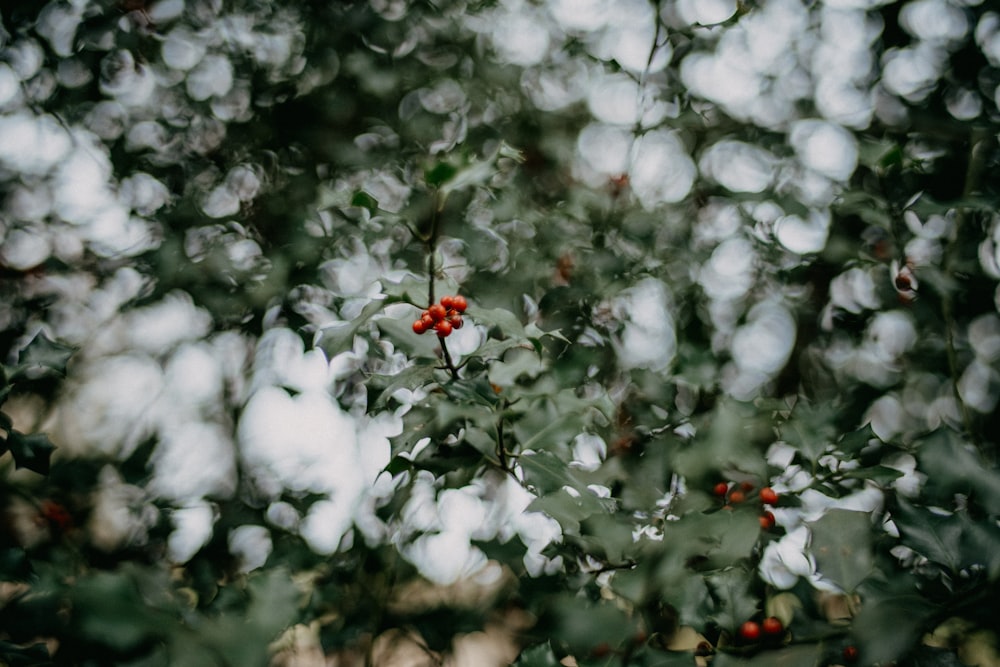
<point>977,155</point>
<point>449,364</point>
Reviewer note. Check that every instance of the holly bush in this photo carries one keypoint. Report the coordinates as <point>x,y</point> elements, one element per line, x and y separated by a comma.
<point>636,333</point>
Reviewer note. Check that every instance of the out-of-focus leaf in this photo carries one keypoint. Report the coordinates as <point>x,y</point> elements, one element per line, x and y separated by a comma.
<point>540,655</point>
<point>583,624</point>
<point>889,624</point>
<point>516,363</point>
<point>33,452</point>
<point>569,509</point>
<point>362,199</point>
<point>41,357</point>
<point>108,609</point>
<point>335,340</point>
<point>881,475</point>
<point>842,546</point>
<point>802,655</point>
<point>952,467</point>
<point>420,374</point>
<point>731,587</point>
<point>855,441</point>
<point>953,541</point>
<point>36,655</point>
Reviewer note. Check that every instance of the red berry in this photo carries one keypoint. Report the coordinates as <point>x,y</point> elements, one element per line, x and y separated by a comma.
<point>419,326</point>
<point>459,303</point>
<point>772,626</point>
<point>57,515</point>
<point>750,631</point>
<point>720,489</point>
<point>455,320</point>
<point>767,521</point>
<point>601,650</point>
<point>768,496</point>
<point>851,653</point>
<point>448,302</point>
<point>737,497</point>
<point>443,328</point>
<point>437,312</point>
<point>746,486</point>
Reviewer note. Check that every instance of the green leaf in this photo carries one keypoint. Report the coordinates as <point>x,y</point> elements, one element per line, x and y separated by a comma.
<point>420,374</point>
<point>109,609</point>
<point>547,472</point>
<point>40,357</point>
<point>540,655</point>
<point>953,467</point>
<point>800,655</point>
<point>439,173</point>
<point>842,547</point>
<point>516,363</point>
<point>274,603</point>
<point>889,624</point>
<point>340,338</point>
<point>881,475</point>
<point>731,587</point>
<point>568,509</point>
<point>855,441</point>
<point>476,173</point>
<point>362,199</point>
<point>30,451</point>
<point>36,655</point>
<point>953,541</point>
<point>583,624</point>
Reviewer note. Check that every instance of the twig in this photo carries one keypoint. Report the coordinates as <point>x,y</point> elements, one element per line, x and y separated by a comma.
<point>977,152</point>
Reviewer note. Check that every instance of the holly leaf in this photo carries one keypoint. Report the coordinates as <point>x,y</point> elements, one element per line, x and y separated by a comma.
<point>40,357</point>
<point>889,624</point>
<point>362,199</point>
<point>540,655</point>
<point>803,655</point>
<point>731,588</point>
<point>842,546</point>
<point>30,451</point>
<point>36,655</point>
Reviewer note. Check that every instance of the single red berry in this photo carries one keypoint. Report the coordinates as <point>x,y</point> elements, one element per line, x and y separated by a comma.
<point>768,496</point>
<point>747,487</point>
<point>448,302</point>
<point>767,520</point>
<point>57,515</point>
<point>437,312</point>
<point>443,328</point>
<point>601,650</point>
<point>772,626</point>
<point>750,631</point>
<point>720,489</point>
<point>851,653</point>
<point>420,326</point>
<point>459,303</point>
<point>737,497</point>
<point>456,321</point>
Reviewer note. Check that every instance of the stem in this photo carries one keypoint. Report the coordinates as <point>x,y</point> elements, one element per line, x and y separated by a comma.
<point>431,270</point>
<point>977,153</point>
<point>449,364</point>
<point>501,450</point>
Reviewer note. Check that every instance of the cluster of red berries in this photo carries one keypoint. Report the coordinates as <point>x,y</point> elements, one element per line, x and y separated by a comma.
<point>770,628</point>
<point>735,494</point>
<point>443,317</point>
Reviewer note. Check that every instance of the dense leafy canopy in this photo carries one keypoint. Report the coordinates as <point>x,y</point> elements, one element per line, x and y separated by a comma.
<point>708,247</point>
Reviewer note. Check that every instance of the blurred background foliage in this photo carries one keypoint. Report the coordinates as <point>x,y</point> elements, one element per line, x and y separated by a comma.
<point>731,352</point>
